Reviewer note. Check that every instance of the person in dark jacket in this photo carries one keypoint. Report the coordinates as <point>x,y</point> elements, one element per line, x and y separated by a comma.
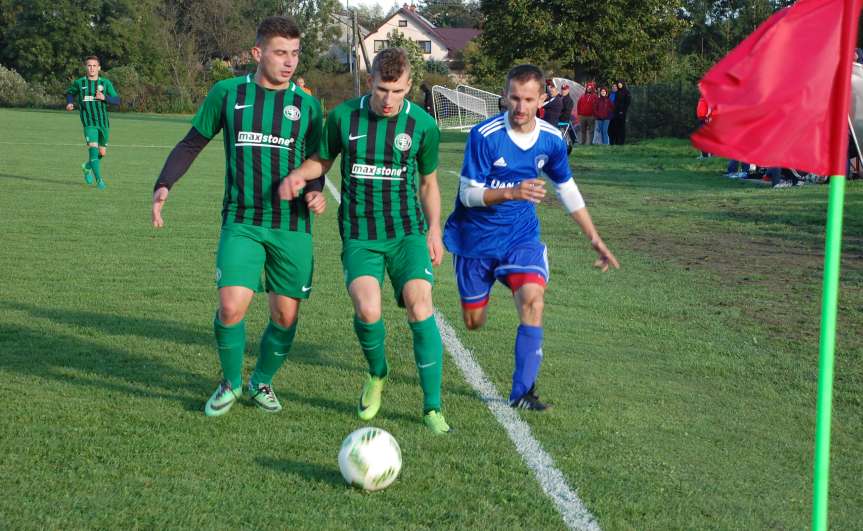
<point>552,106</point>
<point>428,104</point>
<point>603,110</point>
<point>621,107</point>
<point>568,104</point>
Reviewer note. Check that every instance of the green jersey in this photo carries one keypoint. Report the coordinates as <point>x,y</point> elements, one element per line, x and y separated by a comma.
<point>94,113</point>
<point>381,158</point>
<point>267,134</point>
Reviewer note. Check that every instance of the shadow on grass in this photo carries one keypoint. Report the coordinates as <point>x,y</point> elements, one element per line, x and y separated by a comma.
<point>74,360</point>
<point>309,471</point>
<point>78,183</point>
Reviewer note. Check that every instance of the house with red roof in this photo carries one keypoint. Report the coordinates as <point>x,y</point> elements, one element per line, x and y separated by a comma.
<point>437,44</point>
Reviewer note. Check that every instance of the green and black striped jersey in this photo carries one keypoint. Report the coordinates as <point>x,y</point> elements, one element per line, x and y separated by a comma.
<point>94,113</point>
<point>381,160</point>
<point>267,134</point>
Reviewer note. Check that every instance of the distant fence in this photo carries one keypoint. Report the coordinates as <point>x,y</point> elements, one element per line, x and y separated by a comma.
<point>662,110</point>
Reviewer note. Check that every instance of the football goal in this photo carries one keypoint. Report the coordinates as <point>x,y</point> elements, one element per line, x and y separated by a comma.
<point>456,109</point>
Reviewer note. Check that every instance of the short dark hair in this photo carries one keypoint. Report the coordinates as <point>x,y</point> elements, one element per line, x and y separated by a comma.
<point>390,64</point>
<point>276,27</point>
<point>92,58</point>
<point>524,73</point>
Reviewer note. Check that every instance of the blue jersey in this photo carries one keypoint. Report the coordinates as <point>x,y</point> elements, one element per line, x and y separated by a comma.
<point>497,157</point>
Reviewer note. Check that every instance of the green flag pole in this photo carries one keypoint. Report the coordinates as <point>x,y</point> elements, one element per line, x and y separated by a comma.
<point>829,301</point>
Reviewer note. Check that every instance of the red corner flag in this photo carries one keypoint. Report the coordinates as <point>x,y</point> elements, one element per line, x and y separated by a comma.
<point>781,97</point>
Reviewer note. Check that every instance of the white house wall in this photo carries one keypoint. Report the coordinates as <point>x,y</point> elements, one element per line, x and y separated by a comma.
<point>411,31</point>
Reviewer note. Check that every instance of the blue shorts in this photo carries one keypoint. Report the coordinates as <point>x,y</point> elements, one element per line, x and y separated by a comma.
<point>526,263</point>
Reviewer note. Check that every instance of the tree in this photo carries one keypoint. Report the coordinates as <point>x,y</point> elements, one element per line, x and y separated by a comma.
<point>451,13</point>
<point>616,38</point>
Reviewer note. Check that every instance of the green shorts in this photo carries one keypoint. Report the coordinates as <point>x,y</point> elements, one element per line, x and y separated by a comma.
<point>406,258</point>
<point>284,256</point>
<point>96,134</point>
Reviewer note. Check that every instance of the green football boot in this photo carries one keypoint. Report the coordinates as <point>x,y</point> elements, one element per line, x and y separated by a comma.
<point>436,423</point>
<point>100,184</point>
<point>88,173</point>
<point>370,399</point>
<point>264,397</point>
<point>222,399</point>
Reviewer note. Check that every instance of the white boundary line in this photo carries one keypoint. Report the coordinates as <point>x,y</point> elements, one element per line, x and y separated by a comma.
<point>82,144</point>
<point>575,514</point>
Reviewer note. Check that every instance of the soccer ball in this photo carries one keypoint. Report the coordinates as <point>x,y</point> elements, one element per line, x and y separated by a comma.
<point>370,459</point>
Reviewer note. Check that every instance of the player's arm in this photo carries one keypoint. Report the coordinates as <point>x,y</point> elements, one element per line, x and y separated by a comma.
<point>205,125</point>
<point>427,163</point>
<point>176,165</point>
<point>71,92</point>
<point>110,94</point>
<point>477,165</point>
<point>317,165</point>
<point>570,197</point>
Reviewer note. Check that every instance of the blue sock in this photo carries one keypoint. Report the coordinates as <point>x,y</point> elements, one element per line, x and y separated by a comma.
<point>528,358</point>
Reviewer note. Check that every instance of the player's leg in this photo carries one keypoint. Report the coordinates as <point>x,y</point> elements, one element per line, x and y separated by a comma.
<point>410,269</point>
<point>364,273</point>
<point>474,278</point>
<point>91,140</point>
<point>288,269</point>
<point>525,272</point>
<point>103,147</point>
<point>239,261</point>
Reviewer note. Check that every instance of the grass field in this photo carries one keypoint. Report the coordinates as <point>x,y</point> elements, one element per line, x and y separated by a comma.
<point>684,383</point>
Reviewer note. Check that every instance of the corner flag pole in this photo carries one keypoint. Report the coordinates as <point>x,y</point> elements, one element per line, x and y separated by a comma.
<point>827,343</point>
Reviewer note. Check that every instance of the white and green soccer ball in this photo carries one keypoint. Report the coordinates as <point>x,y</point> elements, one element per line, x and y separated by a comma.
<point>370,459</point>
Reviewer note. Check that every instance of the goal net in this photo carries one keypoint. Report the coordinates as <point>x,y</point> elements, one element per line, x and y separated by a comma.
<point>454,109</point>
<point>490,99</point>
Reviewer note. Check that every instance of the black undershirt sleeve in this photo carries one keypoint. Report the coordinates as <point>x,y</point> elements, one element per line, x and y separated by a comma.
<point>315,186</point>
<point>181,158</point>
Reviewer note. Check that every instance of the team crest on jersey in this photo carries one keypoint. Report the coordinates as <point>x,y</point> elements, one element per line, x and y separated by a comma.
<point>540,161</point>
<point>403,142</point>
<point>100,88</point>
<point>292,112</point>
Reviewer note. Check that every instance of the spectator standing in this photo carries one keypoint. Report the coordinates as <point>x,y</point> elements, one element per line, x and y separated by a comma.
<point>428,102</point>
<point>612,126</point>
<point>585,112</point>
<point>621,107</point>
<point>702,112</point>
<point>603,110</point>
<point>553,107</point>
<point>301,82</point>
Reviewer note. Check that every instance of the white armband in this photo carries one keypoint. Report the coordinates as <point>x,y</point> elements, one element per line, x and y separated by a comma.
<point>470,193</point>
<point>570,196</point>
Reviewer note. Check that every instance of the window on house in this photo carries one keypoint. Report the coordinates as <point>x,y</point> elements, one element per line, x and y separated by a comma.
<point>403,23</point>
<point>380,45</point>
<point>425,45</point>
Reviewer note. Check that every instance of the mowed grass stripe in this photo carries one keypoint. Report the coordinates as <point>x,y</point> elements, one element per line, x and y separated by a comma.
<point>552,481</point>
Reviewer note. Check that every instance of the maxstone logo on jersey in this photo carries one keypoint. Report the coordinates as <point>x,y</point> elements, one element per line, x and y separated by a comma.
<point>370,170</point>
<point>249,137</point>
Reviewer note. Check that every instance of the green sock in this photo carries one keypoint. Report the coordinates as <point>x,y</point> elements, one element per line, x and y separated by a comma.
<point>428,353</point>
<point>87,165</point>
<point>275,345</point>
<point>371,336</point>
<point>94,163</point>
<point>231,341</point>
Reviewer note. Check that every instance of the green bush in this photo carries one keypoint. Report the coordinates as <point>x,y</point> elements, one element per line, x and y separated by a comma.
<point>436,67</point>
<point>16,92</point>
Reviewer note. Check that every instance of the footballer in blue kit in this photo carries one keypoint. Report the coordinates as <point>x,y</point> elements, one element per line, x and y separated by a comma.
<point>493,232</point>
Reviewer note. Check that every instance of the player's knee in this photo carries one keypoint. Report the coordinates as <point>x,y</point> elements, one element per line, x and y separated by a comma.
<point>473,320</point>
<point>368,312</point>
<point>418,300</point>
<point>285,319</point>
<point>230,314</point>
<point>102,151</point>
<point>533,307</point>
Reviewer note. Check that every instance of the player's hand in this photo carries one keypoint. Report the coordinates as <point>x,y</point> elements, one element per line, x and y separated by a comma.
<point>532,190</point>
<point>70,106</point>
<point>435,245</point>
<point>290,187</point>
<point>99,95</point>
<point>606,258</point>
<point>316,202</point>
<point>159,198</point>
